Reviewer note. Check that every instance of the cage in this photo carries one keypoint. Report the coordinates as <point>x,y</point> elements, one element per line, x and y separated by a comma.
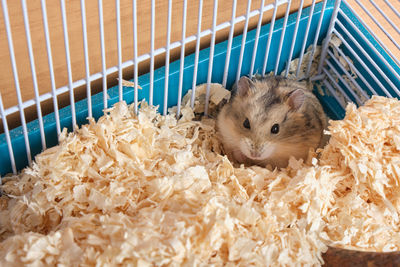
<point>64,62</point>
<point>353,45</point>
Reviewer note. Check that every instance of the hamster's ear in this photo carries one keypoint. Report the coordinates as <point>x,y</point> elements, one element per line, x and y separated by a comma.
<point>296,99</point>
<point>243,86</point>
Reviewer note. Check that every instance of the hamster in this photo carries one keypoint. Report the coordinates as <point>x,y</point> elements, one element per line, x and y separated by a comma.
<point>269,119</point>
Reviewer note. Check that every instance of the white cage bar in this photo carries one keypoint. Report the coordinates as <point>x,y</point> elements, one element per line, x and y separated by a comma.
<point>16,80</point>
<point>119,48</point>
<point>68,59</point>
<point>229,47</point>
<point>294,37</point>
<point>182,58</point>
<point>271,29</point>
<point>86,55</point>
<point>282,38</point>
<point>167,55</point>
<point>136,60</point>
<point>153,15</point>
<point>103,54</point>
<point>211,58</point>
<point>196,60</point>
<point>253,58</point>
<point>243,41</point>
<point>33,70</point>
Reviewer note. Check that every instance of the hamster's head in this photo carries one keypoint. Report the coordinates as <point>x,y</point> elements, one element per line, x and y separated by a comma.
<point>265,121</point>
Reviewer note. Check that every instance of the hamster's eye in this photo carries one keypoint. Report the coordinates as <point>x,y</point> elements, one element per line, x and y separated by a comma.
<point>246,123</point>
<point>275,128</point>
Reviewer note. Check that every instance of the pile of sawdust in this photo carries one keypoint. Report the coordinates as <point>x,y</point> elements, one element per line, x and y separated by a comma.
<point>150,189</point>
<point>364,151</point>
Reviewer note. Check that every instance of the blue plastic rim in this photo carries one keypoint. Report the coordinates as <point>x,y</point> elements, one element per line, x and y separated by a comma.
<point>332,108</point>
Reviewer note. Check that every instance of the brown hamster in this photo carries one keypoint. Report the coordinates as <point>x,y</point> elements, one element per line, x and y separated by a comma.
<point>269,119</point>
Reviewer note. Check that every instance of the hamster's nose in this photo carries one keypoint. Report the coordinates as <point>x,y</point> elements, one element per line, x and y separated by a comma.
<point>255,153</point>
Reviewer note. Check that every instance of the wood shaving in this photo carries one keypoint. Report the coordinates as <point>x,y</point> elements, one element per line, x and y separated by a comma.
<point>152,190</point>
<point>129,84</point>
<point>218,97</point>
<point>308,56</point>
<point>364,151</point>
<point>334,43</point>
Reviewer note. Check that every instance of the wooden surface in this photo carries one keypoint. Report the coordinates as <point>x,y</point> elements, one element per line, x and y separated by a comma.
<point>7,85</point>
<point>352,258</point>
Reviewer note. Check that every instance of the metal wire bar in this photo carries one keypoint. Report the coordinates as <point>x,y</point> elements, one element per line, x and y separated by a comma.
<point>331,67</point>
<point>211,58</point>
<point>119,49</point>
<point>16,79</point>
<point>196,58</point>
<point>316,38</point>
<point>229,47</point>
<point>135,54</point>
<point>7,134</point>
<point>86,54</point>
<point>360,90</point>
<point>53,93</point>
<point>182,58</point>
<point>271,30</point>
<point>282,38</point>
<point>68,59</point>
<point>294,38</point>
<point>131,62</point>
<point>153,15</point>
<point>253,59</point>
<point>337,86</point>
<point>328,35</point>
<point>368,57</point>
<point>359,74</point>
<point>378,24</point>
<point>165,108</point>
<point>244,35</point>
<point>333,92</point>
<point>392,8</point>
<point>387,64</point>
<point>33,71</point>
<point>385,16</point>
<point>303,46</point>
<point>103,54</point>
<point>363,64</point>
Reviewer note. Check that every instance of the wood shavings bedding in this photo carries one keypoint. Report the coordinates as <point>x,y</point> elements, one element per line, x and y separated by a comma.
<point>364,150</point>
<point>152,190</point>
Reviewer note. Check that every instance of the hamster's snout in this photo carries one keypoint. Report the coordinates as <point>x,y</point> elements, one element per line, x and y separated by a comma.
<point>257,151</point>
